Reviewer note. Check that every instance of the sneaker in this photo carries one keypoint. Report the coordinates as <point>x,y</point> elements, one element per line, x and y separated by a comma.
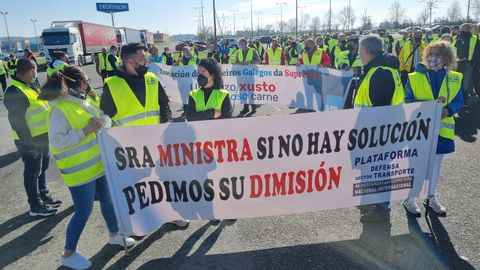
<point>244,111</point>
<point>42,210</point>
<point>76,261</point>
<point>118,240</point>
<point>411,206</point>
<point>435,205</point>
<point>180,223</point>
<point>50,201</point>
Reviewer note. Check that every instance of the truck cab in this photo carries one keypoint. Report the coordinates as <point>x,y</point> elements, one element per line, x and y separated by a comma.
<point>63,37</point>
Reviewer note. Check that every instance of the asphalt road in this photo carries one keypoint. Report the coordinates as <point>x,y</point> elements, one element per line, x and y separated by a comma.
<point>320,240</point>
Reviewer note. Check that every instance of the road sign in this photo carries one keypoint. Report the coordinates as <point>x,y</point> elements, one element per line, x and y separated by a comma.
<point>112,7</point>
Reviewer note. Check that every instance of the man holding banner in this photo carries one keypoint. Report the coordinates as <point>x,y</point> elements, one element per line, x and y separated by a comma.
<point>381,86</point>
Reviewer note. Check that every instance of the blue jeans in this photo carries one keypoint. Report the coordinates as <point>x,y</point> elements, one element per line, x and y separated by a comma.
<point>83,197</point>
<point>36,163</point>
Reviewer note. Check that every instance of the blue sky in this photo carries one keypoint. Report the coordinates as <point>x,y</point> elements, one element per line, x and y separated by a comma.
<point>180,16</point>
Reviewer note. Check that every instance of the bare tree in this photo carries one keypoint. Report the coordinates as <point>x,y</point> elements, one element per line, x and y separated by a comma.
<point>423,16</point>
<point>353,19</point>
<point>366,21</point>
<point>454,12</point>
<point>397,12</point>
<point>305,20</point>
<point>343,17</point>
<point>431,5</point>
<point>476,9</point>
<point>315,25</point>
<point>290,26</point>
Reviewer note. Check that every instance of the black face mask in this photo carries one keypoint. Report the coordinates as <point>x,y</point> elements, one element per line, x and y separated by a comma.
<point>343,43</point>
<point>417,39</point>
<point>464,34</point>
<point>202,80</point>
<point>141,70</point>
<point>350,48</point>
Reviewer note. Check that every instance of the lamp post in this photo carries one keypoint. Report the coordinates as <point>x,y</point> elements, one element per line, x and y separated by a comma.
<point>4,13</point>
<point>35,30</point>
<point>258,22</point>
<point>234,11</point>
<point>281,17</point>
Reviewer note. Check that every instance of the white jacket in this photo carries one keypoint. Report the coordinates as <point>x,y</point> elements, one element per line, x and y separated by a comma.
<point>60,133</point>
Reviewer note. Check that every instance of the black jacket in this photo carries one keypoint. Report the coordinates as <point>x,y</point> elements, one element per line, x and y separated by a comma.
<point>137,84</point>
<point>382,84</point>
<point>463,49</point>
<point>192,114</point>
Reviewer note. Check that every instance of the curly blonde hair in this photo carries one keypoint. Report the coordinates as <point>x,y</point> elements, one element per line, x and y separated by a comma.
<point>446,52</point>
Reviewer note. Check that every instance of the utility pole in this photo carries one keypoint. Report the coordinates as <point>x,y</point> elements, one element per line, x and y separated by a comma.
<point>214,26</point>
<point>234,11</point>
<point>251,16</point>
<point>330,18</point>
<point>281,17</point>
<point>35,30</point>
<point>202,19</point>
<point>349,14</point>
<point>296,18</point>
<point>4,13</point>
<point>302,25</point>
<point>468,11</point>
<point>258,22</point>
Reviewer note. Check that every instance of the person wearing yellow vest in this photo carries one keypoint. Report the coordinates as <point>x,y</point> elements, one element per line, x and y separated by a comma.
<point>113,61</point>
<point>434,79</point>
<point>246,55</point>
<point>411,53</point>
<point>101,64</point>
<point>260,49</point>
<point>350,60</point>
<point>468,54</point>
<point>313,55</point>
<point>210,101</point>
<point>291,53</point>
<point>12,66</point>
<point>73,122</point>
<point>321,44</point>
<point>3,77</point>
<point>400,42</point>
<point>59,63</point>
<point>275,54</point>
<point>188,58</point>
<point>339,48</point>
<point>28,118</point>
<point>232,54</point>
<point>381,86</point>
<point>429,37</point>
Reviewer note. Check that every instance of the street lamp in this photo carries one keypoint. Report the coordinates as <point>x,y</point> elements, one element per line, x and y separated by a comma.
<point>35,30</point>
<point>6,25</point>
<point>281,16</point>
<point>258,22</point>
<point>234,11</point>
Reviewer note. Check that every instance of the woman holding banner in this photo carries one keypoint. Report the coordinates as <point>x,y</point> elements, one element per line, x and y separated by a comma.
<point>210,101</point>
<point>434,80</point>
<point>73,122</point>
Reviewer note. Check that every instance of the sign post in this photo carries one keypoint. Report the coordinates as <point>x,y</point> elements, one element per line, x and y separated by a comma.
<point>112,8</point>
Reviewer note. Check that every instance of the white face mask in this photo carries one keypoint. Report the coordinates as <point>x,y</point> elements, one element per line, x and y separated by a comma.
<point>434,62</point>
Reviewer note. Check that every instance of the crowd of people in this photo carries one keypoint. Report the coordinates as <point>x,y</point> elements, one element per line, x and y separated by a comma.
<point>62,116</point>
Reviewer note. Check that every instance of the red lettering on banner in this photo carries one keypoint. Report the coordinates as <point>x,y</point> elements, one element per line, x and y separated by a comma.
<point>219,151</point>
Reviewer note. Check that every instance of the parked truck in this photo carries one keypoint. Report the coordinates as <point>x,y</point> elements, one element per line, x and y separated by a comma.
<point>146,37</point>
<point>80,40</point>
<point>127,35</point>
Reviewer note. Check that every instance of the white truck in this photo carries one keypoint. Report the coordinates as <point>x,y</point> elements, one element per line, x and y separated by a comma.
<point>127,35</point>
<point>80,40</point>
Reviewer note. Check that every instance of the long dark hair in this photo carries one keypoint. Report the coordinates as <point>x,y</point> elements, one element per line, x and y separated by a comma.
<point>60,81</point>
<point>214,69</point>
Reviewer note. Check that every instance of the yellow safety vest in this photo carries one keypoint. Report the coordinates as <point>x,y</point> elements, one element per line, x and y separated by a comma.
<point>51,70</point>
<point>406,55</point>
<point>130,111</point>
<point>332,43</point>
<point>2,68</point>
<point>81,162</point>
<point>316,57</point>
<point>363,94</point>
<point>94,101</point>
<point>214,102</point>
<point>12,67</point>
<point>343,59</point>
<point>449,89</point>
<point>471,47</point>
<point>233,55</point>
<point>293,60</point>
<point>274,58</point>
<point>249,56</point>
<point>117,61</point>
<point>191,62</point>
<point>260,50</point>
<point>37,112</point>
<point>102,61</point>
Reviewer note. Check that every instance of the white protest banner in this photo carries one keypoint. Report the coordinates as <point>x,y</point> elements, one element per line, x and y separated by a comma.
<point>288,164</point>
<point>308,87</point>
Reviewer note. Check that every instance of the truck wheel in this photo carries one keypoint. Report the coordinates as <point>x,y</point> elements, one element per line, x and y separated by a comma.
<point>80,61</point>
